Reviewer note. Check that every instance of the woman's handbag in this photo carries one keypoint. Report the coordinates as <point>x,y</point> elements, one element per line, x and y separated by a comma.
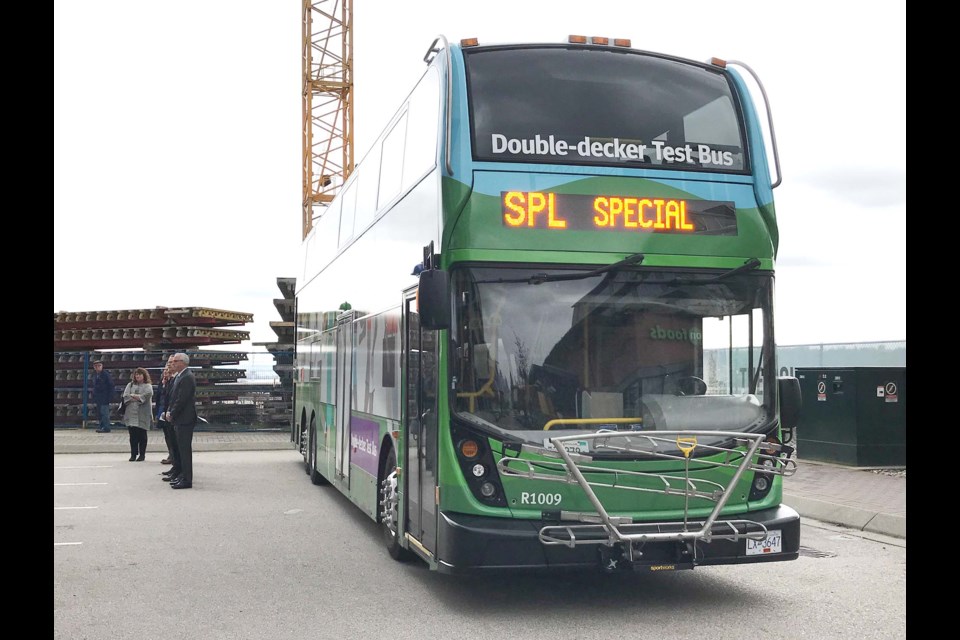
<point>123,403</point>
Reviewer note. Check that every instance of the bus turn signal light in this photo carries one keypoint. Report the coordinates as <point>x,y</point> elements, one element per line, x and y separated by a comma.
<point>774,445</point>
<point>469,449</point>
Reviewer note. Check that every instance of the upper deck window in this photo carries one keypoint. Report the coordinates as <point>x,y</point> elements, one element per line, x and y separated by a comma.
<point>582,105</point>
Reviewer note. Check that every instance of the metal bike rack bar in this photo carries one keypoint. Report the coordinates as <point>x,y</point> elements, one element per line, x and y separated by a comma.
<point>742,452</point>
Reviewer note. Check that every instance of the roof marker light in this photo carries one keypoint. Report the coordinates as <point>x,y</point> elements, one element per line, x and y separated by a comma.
<point>469,42</point>
<point>717,62</point>
<point>600,40</point>
<point>577,39</point>
<point>622,42</point>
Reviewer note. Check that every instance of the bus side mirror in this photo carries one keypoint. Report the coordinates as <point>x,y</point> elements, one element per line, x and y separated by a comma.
<point>433,299</point>
<point>788,388</point>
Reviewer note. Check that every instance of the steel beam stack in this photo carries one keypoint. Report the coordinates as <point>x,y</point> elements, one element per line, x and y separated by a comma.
<point>280,407</point>
<point>147,337</point>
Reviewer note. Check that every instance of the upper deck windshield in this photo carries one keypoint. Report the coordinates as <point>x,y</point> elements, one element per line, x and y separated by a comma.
<point>600,106</point>
<point>667,350</point>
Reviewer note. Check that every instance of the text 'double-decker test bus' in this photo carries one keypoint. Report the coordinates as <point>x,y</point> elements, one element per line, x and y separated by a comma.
<point>535,326</point>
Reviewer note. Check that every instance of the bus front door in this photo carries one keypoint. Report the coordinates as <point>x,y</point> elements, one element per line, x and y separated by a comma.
<point>344,394</point>
<point>420,458</point>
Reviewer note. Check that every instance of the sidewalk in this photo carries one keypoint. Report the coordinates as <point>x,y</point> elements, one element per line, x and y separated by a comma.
<point>851,497</point>
<point>118,441</point>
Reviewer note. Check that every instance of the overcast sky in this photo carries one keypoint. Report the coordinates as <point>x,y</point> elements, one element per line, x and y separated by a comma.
<point>177,140</point>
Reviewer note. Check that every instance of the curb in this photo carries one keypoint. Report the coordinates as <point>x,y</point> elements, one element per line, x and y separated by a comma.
<point>847,516</point>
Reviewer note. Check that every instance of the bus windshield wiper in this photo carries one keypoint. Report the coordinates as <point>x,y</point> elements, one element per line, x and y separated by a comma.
<point>540,278</point>
<point>749,265</point>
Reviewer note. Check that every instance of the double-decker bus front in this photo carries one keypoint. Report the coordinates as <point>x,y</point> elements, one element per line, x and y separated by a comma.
<point>609,236</point>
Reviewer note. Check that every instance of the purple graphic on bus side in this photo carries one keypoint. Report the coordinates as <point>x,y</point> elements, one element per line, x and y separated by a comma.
<point>365,444</point>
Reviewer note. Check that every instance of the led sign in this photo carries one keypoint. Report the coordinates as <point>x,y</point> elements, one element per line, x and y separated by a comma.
<point>558,211</point>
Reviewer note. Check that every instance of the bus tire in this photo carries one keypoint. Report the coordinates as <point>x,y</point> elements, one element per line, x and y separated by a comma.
<point>305,450</point>
<point>389,500</point>
<point>315,476</point>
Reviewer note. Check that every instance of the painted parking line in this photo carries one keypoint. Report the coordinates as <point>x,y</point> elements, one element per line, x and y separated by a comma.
<point>89,466</point>
<point>66,544</point>
<point>74,484</point>
<point>61,508</point>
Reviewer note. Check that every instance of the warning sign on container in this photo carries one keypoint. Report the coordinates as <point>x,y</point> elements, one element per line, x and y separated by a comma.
<point>890,392</point>
<point>821,391</point>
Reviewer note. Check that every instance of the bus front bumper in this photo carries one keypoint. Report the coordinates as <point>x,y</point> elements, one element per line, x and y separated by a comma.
<point>468,543</point>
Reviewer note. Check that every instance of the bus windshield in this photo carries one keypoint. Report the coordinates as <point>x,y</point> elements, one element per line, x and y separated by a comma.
<point>601,106</point>
<point>645,349</point>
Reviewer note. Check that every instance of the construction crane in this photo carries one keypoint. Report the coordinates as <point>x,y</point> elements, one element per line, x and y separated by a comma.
<point>327,52</point>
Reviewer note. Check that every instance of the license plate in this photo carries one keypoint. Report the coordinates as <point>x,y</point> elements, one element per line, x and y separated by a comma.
<point>573,446</point>
<point>771,544</point>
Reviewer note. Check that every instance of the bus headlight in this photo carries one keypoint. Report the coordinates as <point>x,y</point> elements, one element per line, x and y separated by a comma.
<point>762,481</point>
<point>761,484</point>
<point>487,489</point>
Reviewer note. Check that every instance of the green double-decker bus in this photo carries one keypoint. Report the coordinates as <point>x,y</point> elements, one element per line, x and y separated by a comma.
<point>535,327</point>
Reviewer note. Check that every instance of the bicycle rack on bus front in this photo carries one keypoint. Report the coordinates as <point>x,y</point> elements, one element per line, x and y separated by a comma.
<point>745,452</point>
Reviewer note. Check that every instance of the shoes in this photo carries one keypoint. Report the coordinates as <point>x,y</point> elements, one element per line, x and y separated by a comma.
<point>181,485</point>
<point>166,461</point>
<point>140,459</point>
<point>171,479</point>
<point>170,472</point>
<point>103,430</point>
<point>133,458</point>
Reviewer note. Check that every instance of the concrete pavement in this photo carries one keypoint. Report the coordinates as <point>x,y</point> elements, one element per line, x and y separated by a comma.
<point>854,497</point>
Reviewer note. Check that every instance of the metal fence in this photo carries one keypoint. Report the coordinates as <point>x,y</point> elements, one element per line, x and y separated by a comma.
<point>889,353</point>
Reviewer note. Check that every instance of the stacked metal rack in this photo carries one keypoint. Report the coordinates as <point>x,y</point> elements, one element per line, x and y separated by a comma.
<point>149,329</point>
<point>82,337</point>
<point>279,409</point>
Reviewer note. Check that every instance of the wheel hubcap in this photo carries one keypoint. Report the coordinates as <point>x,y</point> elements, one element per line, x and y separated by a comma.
<point>390,502</point>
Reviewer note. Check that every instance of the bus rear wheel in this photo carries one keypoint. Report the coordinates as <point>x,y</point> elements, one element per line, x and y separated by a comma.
<point>390,509</point>
<point>304,447</point>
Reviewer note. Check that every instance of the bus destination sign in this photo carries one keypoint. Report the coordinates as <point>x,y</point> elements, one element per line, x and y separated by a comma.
<point>576,212</point>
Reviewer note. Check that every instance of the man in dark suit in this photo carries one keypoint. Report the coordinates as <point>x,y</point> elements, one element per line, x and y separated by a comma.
<point>169,433</point>
<point>182,414</point>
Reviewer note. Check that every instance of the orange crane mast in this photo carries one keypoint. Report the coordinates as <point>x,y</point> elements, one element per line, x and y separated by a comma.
<point>327,92</point>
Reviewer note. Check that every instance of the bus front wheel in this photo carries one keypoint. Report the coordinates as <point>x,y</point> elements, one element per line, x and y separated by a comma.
<point>390,509</point>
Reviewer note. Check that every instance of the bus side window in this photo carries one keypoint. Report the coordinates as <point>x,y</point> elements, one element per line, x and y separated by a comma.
<point>420,154</point>
<point>391,163</point>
